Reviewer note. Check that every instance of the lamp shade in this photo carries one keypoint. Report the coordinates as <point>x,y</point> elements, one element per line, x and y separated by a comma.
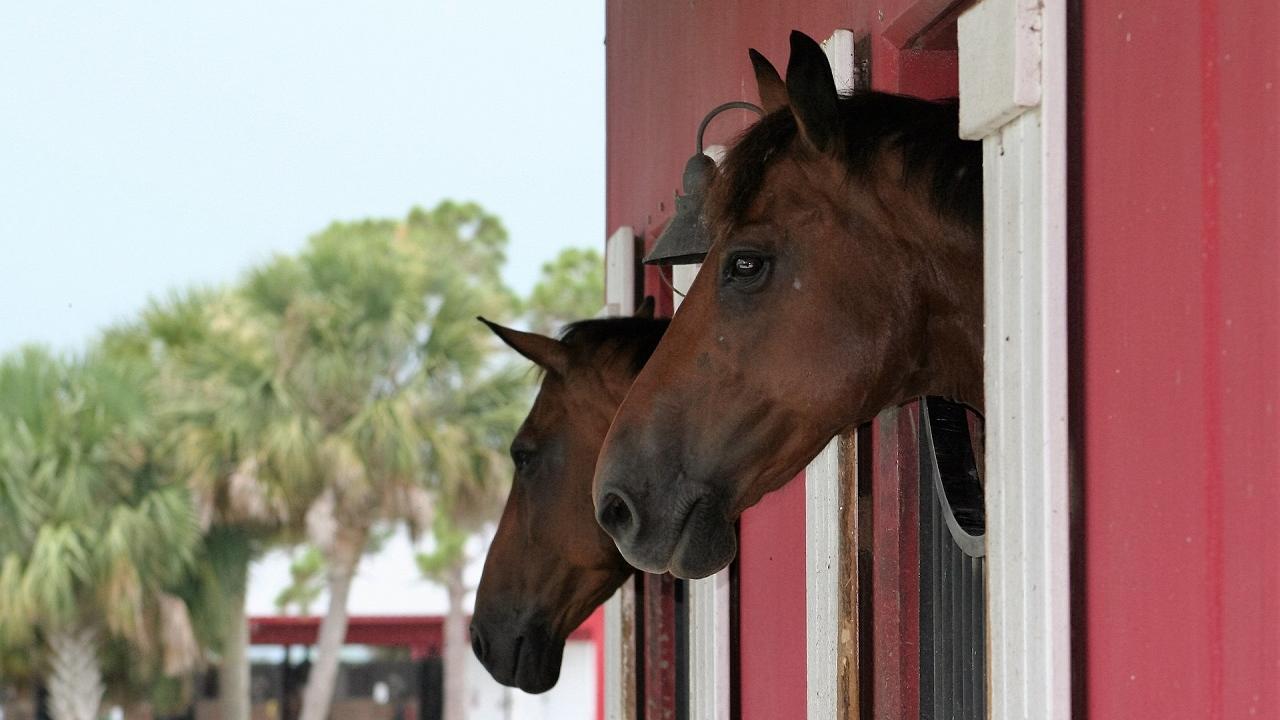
<point>686,239</point>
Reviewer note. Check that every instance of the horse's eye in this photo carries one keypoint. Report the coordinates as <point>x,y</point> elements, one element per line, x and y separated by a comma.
<point>521,457</point>
<point>745,268</point>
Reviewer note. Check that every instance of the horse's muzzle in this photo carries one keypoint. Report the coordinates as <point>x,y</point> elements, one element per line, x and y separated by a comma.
<point>524,655</point>
<point>684,531</point>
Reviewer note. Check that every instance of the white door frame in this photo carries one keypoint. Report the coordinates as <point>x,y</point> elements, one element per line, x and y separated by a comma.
<point>620,640</point>
<point>826,489</point>
<point>1013,98</point>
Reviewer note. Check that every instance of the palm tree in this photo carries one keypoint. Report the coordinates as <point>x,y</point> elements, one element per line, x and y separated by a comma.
<point>571,287</point>
<point>368,323</point>
<point>94,533</point>
<point>306,570</point>
<point>226,420</point>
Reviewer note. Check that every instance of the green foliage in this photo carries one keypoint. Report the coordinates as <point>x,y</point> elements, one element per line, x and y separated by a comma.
<point>347,386</point>
<point>91,527</point>
<point>306,571</point>
<point>570,288</point>
<point>369,324</point>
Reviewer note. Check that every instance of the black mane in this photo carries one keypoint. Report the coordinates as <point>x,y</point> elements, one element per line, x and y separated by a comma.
<point>925,132</point>
<point>632,338</point>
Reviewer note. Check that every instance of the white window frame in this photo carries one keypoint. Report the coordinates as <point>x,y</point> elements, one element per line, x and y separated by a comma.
<point>826,489</point>
<point>708,598</point>
<point>1013,98</point>
<point>620,640</point>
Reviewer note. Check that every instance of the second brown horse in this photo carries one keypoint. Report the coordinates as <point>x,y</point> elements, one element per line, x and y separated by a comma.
<point>550,564</point>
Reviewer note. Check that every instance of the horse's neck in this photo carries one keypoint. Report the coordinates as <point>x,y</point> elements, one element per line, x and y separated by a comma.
<point>955,363</point>
<point>954,329</point>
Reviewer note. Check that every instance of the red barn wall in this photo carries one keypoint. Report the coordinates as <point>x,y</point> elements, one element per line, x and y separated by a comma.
<point>668,63</point>
<point>1177,357</point>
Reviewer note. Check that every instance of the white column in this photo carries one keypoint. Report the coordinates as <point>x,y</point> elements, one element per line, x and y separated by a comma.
<point>708,598</point>
<point>824,492</point>
<point>1013,98</point>
<point>620,610</point>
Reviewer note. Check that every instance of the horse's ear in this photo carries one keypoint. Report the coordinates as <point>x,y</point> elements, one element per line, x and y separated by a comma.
<point>645,310</point>
<point>811,91</point>
<point>549,353</point>
<point>773,92</point>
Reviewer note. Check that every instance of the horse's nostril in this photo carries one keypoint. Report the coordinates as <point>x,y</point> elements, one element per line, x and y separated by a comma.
<point>478,645</point>
<point>615,515</point>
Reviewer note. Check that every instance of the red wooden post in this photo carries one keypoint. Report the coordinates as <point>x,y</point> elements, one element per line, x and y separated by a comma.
<point>895,564</point>
<point>659,647</point>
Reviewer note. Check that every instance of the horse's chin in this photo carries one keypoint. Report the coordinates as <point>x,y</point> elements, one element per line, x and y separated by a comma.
<point>694,563</point>
<point>707,544</point>
<point>526,656</point>
<point>538,667</point>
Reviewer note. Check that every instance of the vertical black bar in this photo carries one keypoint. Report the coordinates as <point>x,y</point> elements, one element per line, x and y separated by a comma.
<point>940,625</point>
<point>929,585</point>
<point>735,666</point>
<point>682,649</point>
<point>961,634</point>
<point>641,587</point>
<point>866,649</point>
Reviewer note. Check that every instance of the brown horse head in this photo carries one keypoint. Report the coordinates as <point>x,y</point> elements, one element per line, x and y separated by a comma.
<point>845,276</point>
<point>550,564</point>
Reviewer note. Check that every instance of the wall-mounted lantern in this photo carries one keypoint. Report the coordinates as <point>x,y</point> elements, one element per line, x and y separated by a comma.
<point>686,239</point>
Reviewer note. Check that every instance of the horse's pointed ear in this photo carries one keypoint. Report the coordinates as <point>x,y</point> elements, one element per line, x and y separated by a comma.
<point>811,91</point>
<point>645,310</point>
<point>549,353</point>
<point>773,92</point>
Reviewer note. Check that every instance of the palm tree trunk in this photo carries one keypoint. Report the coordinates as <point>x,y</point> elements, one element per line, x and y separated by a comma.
<point>344,557</point>
<point>75,678</point>
<point>234,554</point>
<point>233,673</point>
<point>456,647</point>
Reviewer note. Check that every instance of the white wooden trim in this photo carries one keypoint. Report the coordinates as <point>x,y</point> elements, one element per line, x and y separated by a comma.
<point>1024,188</point>
<point>708,600</point>
<point>823,547</point>
<point>619,679</point>
<point>1000,75</point>
<point>839,51</point>
<point>709,647</point>
<point>823,497</point>
<point>620,272</point>
<point>620,700</point>
<point>681,280</point>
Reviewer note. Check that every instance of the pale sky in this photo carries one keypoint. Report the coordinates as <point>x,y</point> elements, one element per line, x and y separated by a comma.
<point>147,146</point>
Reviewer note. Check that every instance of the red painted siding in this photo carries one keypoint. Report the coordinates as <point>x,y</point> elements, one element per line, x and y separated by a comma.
<point>771,606</point>
<point>1178,182</point>
<point>667,65</point>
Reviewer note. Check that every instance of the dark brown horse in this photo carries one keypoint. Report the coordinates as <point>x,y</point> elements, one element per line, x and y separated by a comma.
<point>550,564</point>
<point>845,277</point>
